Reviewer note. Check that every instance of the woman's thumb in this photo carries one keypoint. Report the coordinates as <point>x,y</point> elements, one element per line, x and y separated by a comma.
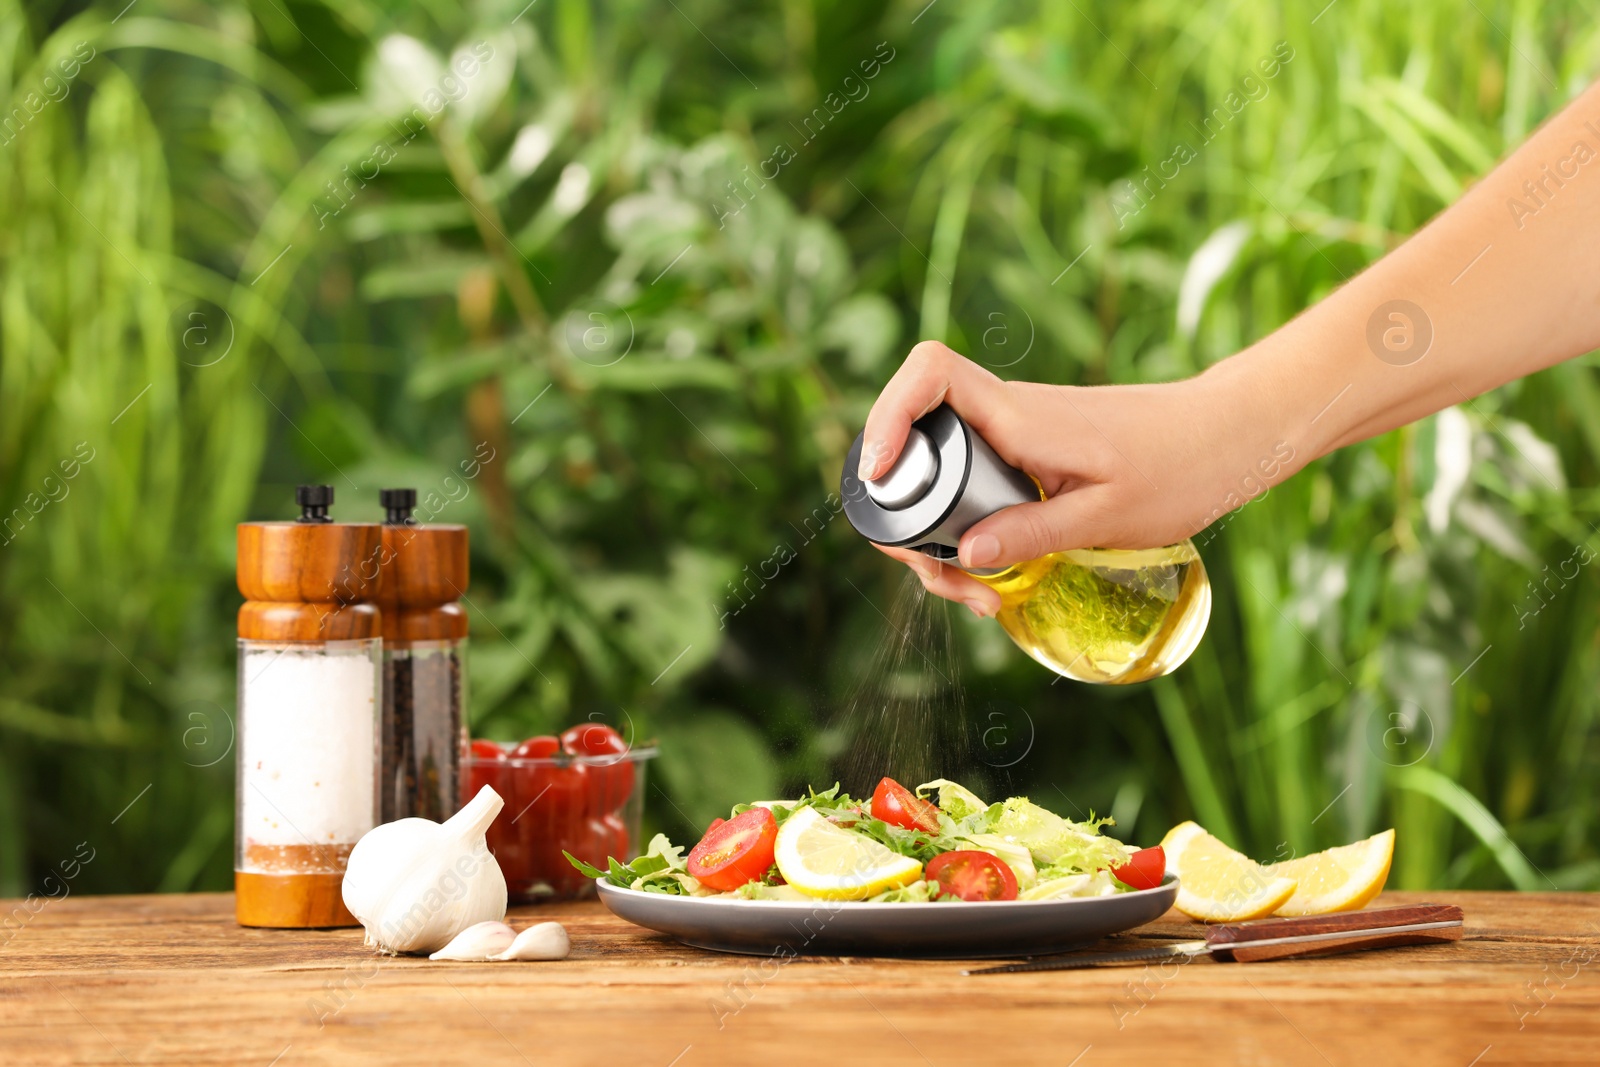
<point>1028,531</point>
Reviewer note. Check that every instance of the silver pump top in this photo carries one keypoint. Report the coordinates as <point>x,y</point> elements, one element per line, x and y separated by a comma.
<point>910,477</point>
<point>945,479</point>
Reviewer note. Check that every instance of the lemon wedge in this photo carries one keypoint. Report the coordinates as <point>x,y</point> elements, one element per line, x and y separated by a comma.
<point>823,860</point>
<point>1217,884</point>
<point>1340,879</point>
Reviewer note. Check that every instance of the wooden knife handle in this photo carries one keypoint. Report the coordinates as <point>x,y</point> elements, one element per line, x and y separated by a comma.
<point>1231,941</point>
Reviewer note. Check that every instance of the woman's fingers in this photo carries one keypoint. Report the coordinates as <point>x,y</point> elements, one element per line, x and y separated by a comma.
<point>1078,518</point>
<point>947,580</point>
<point>932,374</point>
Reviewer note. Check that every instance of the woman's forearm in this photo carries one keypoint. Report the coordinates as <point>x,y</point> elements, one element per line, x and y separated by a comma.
<point>1501,284</point>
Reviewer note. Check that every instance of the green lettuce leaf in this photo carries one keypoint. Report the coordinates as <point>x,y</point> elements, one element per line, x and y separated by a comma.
<point>955,800</point>
<point>918,892</point>
<point>1098,884</point>
<point>1058,845</point>
<point>762,891</point>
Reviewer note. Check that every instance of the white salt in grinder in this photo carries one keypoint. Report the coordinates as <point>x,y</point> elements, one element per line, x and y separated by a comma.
<point>309,704</point>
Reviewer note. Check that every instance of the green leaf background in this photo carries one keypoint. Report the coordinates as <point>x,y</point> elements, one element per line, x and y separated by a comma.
<point>588,267</point>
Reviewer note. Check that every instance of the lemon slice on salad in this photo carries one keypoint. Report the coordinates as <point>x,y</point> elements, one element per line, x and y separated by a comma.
<point>1340,879</point>
<point>821,859</point>
<point>1217,884</point>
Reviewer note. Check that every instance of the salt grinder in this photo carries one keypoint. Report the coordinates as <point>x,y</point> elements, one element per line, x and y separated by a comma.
<point>310,649</point>
<point>425,571</point>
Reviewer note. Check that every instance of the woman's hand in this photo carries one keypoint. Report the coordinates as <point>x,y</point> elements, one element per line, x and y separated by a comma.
<point>1484,294</point>
<point>1124,466</point>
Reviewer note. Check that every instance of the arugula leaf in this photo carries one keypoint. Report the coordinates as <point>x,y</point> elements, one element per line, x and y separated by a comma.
<point>661,869</point>
<point>586,870</point>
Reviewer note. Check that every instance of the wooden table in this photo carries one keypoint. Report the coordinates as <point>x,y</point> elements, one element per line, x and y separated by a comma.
<point>171,979</point>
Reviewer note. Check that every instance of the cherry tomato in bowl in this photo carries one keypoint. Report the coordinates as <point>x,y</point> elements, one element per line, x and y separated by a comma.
<point>738,851</point>
<point>610,769</point>
<point>618,841</point>
<point>553,795</point>
<point>585,802</point>
<point>486,767</point>
<point>972,875</point>
<point>543,746</point>
<point>1144,869</point>
<point>898,806</point>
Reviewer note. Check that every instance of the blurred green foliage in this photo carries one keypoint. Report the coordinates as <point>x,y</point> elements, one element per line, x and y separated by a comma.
<point>657,259</point>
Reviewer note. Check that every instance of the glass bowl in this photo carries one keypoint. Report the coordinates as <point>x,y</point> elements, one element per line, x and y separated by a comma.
<point>589,806</point>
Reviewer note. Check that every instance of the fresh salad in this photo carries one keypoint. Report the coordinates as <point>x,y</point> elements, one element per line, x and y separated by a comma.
<point>937,843</point>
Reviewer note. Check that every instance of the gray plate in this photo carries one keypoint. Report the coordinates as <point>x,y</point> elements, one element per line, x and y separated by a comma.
<point>980,930</point>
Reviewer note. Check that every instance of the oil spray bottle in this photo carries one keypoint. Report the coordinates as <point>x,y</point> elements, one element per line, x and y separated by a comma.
<point>1109,616</point>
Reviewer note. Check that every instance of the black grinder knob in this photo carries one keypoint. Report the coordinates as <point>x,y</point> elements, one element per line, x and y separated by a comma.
<point>314,501</point>
<point>397,505</point>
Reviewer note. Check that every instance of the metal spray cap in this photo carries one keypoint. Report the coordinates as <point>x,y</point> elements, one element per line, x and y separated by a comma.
<point>945,480</point>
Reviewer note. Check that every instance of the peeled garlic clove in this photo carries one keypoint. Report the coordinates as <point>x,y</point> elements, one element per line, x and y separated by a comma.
<point>542,941</point>
<point>480,942</point>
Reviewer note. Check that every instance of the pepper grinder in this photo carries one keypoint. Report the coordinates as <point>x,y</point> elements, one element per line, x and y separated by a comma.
<point>425,571</point>
<point>309,650</point>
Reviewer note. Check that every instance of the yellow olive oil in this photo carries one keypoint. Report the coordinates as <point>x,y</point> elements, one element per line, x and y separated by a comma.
<point>1111,616</point>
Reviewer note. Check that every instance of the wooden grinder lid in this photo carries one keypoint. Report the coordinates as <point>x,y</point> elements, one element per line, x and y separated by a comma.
<point>425,572</point>
<point>309,580</point>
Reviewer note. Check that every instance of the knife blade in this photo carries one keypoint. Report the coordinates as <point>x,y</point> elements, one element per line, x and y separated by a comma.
<point>1264,939</point>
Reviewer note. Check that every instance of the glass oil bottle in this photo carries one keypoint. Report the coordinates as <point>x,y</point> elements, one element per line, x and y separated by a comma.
<point>1108,616</point>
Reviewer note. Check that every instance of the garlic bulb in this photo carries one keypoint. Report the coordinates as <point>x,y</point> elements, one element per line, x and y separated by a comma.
<point>541,941</point>
<point>481,942</point>
<point>415,884</point>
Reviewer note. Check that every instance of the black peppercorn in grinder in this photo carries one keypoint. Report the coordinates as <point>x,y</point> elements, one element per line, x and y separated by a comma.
<point>424,575</point>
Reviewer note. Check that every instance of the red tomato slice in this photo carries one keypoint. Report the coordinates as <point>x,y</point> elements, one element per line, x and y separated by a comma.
<point>972,875</point>
<point>611,778</point>
<point>738,851</point>
<point>899,806</point>
<point>1144,869</point>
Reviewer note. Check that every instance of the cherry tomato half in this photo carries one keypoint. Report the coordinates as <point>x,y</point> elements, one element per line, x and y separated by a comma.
<point>899,806</point>
<point>738,851</point>
<point>611,778</point>
<point>1144,869</point>
<point>972,875</point>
